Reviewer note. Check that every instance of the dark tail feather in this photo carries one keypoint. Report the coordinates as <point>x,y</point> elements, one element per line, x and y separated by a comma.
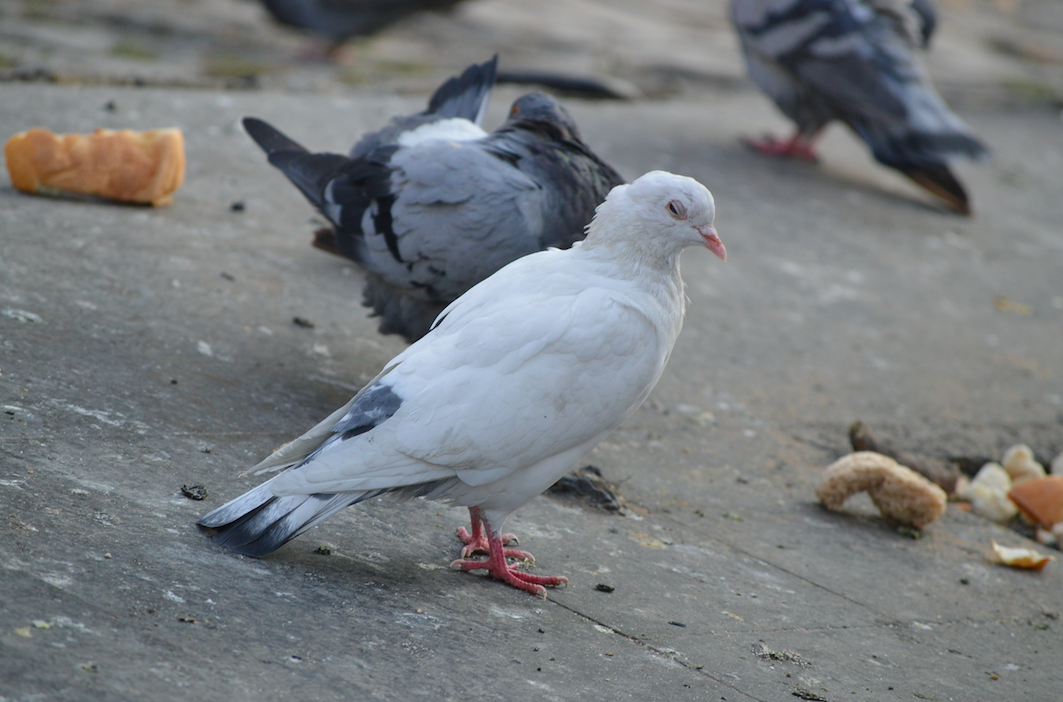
<point>269,137</point>
<point>466,95</point>
<point>309,172</point>
<point>938,180</point>
<point>258,523</point>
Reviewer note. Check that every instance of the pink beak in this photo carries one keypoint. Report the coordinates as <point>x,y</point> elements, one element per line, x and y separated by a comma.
<point>712,241</point>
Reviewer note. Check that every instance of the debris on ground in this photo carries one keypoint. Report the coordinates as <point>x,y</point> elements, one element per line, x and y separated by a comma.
<point>761,651</point>
<point>901,495</point>
<point>988,494</point>
<point>1025,558</point>
<point>194,492</point>
<point>1019,464</point>
<point>942,473</point>
<point>1040,500</point>
<point>1056,466</point>
<point>139,167</point>
<point>588,484</point>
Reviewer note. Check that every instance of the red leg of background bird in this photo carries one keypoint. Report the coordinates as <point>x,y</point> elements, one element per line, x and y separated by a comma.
<point>497,567</point>
<point>476,542</point>
<point>797,146</point>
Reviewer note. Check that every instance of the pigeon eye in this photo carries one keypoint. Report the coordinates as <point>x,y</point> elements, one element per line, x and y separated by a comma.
<point>677,210</point>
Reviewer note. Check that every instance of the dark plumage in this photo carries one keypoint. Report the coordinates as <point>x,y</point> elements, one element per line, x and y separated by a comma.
<point>340,20</point>
<point>431,204</point>
<point>854,61</point>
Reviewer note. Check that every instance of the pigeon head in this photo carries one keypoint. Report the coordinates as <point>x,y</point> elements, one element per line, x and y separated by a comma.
<point>678,210</point>
<point>541,110</point>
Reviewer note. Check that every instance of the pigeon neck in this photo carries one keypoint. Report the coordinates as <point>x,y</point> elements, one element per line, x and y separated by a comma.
<point>650,263</point>
<point>632,247</point>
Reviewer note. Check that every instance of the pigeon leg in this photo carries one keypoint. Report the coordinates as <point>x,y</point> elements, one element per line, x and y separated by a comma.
<point>798,146</point>
<point>497,566</point>
<point>476,542</point>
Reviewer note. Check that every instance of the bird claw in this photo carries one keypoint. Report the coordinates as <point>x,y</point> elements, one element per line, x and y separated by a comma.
<point>511,575</point>
<point>497,563</point>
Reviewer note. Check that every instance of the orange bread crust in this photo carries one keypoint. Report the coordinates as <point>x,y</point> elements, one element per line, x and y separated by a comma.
<point>128,166</point>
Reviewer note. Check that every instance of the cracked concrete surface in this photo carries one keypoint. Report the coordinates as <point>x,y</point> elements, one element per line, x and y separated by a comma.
<point>150,349</point>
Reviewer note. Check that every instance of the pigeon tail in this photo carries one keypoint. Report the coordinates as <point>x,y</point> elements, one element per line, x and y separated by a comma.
<point>269,137</point>
<point>258,523</point>
<point>309,172</point>
<point>938,180</point>
<point>466,95</point>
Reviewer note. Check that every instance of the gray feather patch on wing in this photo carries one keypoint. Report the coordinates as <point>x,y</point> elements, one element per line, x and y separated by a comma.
<point>375,405</point>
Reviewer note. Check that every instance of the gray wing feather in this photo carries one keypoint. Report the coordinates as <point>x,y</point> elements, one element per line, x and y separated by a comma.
<point>459,215</point>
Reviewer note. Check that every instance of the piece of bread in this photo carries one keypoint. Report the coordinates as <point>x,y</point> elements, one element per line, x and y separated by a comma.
<point>128,166</point>
<point>901,495</point>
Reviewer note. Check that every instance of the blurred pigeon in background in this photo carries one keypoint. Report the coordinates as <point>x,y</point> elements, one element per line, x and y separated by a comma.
<point>854,61</point>
<point>340,20</point>
<point>432,204</point>
<point>519,379</point>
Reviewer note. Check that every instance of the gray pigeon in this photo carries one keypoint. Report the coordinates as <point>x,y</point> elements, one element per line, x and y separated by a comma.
<point>431,205</point>
<point>339,20</point>
<point>854,61</point>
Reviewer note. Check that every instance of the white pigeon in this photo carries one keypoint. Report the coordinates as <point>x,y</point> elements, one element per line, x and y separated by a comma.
<point>518,380</point>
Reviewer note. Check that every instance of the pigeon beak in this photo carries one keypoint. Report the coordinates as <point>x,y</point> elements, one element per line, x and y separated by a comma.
<point>712,241</point>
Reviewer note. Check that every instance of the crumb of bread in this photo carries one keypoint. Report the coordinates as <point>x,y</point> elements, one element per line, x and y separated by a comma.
<point>901,495</point>
<point>1021,557</point>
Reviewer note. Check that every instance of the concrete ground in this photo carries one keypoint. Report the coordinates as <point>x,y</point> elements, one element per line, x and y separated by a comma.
<point>143,350</point>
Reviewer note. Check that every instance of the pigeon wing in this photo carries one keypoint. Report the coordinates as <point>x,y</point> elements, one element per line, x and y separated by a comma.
<point>457,214</point>
<point>501,386</point>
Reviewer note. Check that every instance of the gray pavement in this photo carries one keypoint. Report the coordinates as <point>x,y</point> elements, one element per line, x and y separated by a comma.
<point>142,350</point>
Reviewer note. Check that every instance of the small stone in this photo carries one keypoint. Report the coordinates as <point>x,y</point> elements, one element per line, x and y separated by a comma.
<point>602,587</point>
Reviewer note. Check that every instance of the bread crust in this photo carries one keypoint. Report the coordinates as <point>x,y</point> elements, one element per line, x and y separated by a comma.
<point>127,166</point>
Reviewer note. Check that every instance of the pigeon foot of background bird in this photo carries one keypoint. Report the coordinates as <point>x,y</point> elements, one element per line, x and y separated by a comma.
<point>795,147</point>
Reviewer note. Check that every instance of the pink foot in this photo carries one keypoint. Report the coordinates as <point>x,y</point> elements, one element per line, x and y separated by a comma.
<point>796,147</point>
<point>476,542</point>
<point>483,539</point>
